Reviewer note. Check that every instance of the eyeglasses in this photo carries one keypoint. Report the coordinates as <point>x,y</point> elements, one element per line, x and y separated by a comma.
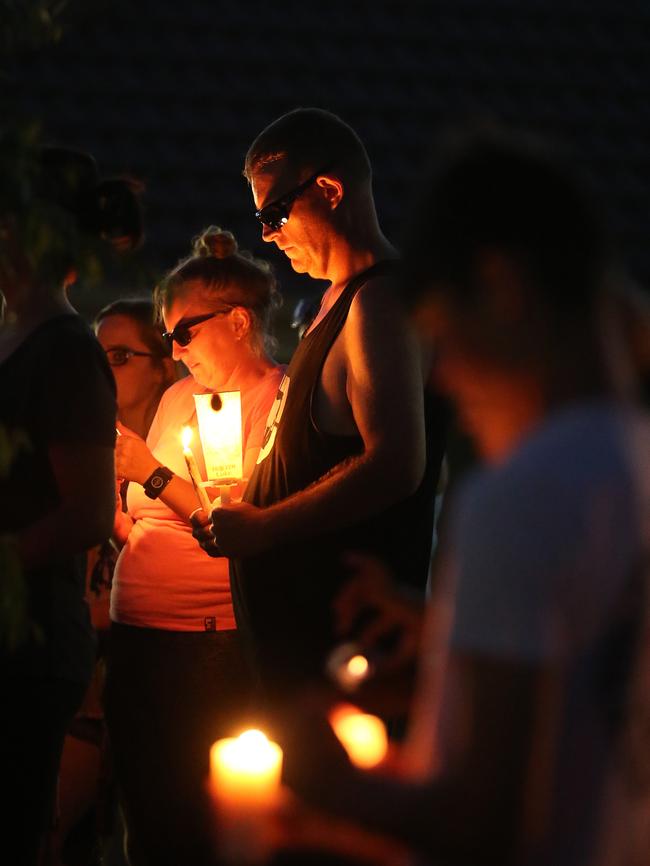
<point>276,214</point>
<point>118,356</point>
<point>181,333</point>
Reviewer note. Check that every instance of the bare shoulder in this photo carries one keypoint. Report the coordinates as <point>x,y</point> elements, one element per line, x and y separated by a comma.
<point>379,294</point>
<point>378,320</point>
<point>377,308</point>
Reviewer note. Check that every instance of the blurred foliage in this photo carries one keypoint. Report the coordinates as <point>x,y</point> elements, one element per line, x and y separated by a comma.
<point>28,24</point>
<point>33,235</point>
<point>44,237</point>
<point>39,240</point>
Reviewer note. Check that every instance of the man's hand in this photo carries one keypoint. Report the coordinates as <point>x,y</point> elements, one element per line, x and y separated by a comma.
<point>241,529</point>
<point>133,460</point>
<point>202,531</point>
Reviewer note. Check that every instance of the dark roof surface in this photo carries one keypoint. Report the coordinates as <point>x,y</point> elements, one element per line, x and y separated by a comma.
<point>174,93</point>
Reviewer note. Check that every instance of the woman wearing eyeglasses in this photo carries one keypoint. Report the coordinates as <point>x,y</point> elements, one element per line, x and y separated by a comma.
<point>143,370</point>
<point>177,679</point>
<point>140,358</point>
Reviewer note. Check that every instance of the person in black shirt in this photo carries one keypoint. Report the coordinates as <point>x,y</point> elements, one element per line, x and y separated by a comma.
<point>347,463</point>
<point>58,497</point>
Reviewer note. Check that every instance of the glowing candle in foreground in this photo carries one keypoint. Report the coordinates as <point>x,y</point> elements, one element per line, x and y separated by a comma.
<point>362,736</point>
<point>244,781</point>
<point>193,469</point>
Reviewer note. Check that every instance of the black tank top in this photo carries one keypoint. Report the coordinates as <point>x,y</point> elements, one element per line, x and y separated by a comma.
<point>283,598</point>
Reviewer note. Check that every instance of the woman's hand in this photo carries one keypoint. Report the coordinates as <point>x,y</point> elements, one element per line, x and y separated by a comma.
<point>133,460</point>
<point>122,527</point>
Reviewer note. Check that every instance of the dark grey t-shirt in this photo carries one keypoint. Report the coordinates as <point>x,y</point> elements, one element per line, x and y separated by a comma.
<point>56,387</point>
<point>551,552</point>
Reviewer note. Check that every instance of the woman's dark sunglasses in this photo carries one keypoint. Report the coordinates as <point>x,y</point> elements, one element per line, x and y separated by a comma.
<point>276,214</point>
<point>182,335</point>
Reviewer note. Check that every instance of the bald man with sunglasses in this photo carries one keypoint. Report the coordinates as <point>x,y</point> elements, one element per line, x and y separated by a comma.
<point>347,462</point>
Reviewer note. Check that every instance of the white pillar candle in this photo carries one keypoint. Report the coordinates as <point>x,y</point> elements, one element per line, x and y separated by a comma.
<point>244,782</point>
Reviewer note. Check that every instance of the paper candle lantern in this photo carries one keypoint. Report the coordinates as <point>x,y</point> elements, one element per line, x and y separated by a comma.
<point>220,429</point>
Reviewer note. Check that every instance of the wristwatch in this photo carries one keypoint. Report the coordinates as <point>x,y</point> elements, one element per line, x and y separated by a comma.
<point>157,481</point>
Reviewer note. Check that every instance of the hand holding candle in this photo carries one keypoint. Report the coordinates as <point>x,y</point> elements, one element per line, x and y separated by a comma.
<point>244,782</point>
<point>193,469</point>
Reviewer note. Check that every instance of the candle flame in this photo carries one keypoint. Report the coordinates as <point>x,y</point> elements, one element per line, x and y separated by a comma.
<point>250,752</point>
<point>186,436</point>
<point>362,736</point>
<point>358,666</point>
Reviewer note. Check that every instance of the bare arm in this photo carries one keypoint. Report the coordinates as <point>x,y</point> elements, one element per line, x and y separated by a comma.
<point>382,372</point>
<point>86,484</point>
<point>135,462</point>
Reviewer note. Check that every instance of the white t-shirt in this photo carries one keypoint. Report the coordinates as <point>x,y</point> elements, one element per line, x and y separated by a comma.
<point>162,578</point>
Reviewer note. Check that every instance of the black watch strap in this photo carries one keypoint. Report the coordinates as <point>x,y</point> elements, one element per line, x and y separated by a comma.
<point>157,481</point>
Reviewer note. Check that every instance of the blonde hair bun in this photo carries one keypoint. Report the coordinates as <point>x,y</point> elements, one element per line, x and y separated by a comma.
<point>215,242</point>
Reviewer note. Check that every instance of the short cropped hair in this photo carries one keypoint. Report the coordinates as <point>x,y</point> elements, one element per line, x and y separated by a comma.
<point>490,187</point>
<point>313,139</point>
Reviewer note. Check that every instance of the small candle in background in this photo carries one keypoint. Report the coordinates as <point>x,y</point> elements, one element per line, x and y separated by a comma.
<point>348,667</point>
<point>362,736</point>
<point>193,469</point>
<point>244,783</point>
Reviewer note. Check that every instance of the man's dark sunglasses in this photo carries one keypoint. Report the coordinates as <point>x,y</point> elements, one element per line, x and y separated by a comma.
<point>276,214</point>
<point>182,335</point>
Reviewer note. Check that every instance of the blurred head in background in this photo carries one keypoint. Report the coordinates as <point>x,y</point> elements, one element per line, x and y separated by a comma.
<point>506,267</point>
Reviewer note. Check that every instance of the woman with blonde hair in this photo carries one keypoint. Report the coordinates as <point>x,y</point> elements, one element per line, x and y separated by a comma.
<point>178,679</point>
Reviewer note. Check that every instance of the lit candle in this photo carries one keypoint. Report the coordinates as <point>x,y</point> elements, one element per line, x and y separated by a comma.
<point>362,736</point>
<point>245,782</point>
<point>348,667</point>
<point>193,469</point>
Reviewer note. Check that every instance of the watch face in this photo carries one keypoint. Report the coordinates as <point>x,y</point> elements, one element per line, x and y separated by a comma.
<point>157,481</point>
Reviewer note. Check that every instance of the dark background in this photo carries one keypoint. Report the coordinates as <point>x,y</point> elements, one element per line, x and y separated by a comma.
<point>174,92</point>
